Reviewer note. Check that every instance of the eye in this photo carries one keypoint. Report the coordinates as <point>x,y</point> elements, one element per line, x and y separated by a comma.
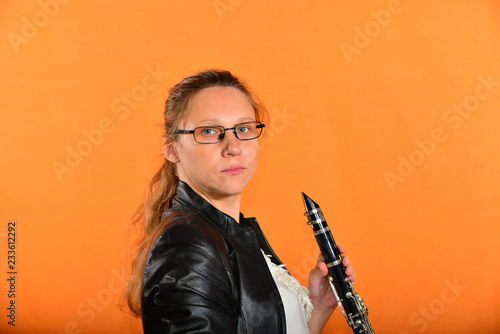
<point>208,132</point>
<point>243,129</point>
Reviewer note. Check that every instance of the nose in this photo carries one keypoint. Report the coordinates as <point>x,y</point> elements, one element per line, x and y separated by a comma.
<point>231,145</point>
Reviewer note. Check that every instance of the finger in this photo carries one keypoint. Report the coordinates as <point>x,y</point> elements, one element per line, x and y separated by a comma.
<point>349,271</point>
<point>321,265</point>
<point>353,277</point>
<point>324,270</point>
<point>341,249</point>
<point>321,258</point>
<point>346,261</point>
<point>319,272</point>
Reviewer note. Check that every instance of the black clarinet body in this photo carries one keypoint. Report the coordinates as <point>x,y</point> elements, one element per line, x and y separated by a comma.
<point>350,303</point>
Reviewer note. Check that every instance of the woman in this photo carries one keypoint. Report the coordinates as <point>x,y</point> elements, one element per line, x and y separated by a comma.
<point>202,267</point>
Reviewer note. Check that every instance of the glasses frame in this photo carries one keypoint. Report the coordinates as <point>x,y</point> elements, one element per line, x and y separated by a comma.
<point>258,125</point>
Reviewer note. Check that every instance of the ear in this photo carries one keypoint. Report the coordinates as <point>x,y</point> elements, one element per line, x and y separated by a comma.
<point>169,151</point>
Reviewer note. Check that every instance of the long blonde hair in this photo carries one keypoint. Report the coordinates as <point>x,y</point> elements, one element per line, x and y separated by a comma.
<point>163,185</point>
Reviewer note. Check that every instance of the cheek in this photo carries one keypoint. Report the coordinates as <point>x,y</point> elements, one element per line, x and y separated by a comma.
<point>254,154</point>
<point>199,157</point>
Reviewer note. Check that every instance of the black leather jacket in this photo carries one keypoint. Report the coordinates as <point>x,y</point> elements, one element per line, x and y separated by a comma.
<point>206,273</point>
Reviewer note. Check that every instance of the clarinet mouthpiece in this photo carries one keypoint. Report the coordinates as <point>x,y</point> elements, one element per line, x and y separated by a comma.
<point>313,211</point>
<point>309,203</point>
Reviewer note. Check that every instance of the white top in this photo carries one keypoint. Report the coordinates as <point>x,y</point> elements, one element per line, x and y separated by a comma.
<point>295,297</point>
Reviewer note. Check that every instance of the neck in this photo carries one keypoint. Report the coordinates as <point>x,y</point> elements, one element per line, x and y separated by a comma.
<point>229,204</point>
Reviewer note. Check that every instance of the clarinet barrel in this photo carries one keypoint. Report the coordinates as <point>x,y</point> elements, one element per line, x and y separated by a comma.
<point>350,303</point>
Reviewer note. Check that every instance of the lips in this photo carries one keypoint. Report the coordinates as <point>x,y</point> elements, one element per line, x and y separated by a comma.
<point>233,170</point>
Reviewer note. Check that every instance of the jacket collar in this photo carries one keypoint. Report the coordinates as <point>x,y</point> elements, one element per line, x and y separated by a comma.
<point>187,197</point>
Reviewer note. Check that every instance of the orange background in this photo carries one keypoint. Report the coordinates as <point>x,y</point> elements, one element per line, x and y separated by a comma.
<point>386,113</point>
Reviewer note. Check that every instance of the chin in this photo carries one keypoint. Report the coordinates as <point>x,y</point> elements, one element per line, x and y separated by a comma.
<point>235,188</point>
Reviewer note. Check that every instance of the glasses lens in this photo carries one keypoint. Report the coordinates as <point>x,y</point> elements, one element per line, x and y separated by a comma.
<point>208,134</point>
<point>247,131</point>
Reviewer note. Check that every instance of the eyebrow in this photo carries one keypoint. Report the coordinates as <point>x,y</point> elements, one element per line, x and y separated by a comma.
<point>215,121</point>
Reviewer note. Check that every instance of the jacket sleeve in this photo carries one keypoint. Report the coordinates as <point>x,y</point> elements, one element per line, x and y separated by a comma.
<point>186,286</point>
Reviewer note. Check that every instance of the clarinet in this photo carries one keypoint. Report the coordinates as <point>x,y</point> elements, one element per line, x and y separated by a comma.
<point>349,302</point>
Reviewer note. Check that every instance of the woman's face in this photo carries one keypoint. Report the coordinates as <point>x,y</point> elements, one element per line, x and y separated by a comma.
<point>221,170</point>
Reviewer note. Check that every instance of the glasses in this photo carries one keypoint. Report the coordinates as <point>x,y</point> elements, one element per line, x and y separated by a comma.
<point>215,134</point>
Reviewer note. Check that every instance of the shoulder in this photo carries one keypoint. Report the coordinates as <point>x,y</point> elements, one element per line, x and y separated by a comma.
<point>188,280</point>
<point>187,227</point>
<point>186,243</point>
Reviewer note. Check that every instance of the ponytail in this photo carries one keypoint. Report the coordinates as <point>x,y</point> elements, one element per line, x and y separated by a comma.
<point>161,190</point>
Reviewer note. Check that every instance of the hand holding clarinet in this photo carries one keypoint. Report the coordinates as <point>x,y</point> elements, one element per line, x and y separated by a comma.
<point>321,293</point>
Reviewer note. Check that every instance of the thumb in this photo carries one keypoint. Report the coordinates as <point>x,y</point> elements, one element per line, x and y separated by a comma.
<point>320,271</point>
